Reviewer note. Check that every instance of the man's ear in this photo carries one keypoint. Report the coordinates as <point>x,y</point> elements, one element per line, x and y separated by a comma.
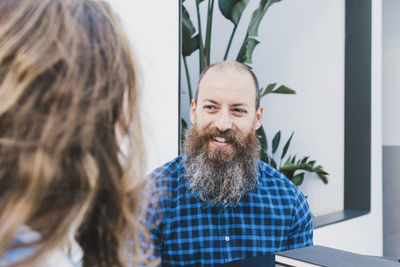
<point>259,117</point>
<point>193,112</point>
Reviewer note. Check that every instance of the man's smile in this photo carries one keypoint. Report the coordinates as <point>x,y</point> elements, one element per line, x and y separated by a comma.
<point>219,142</point>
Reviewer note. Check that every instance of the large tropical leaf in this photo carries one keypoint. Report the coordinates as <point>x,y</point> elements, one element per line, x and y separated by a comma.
<point>189,42</point>
<point>273,163</point>
<point>285,148</point>
<point>280,90</point>
<point>258,15</point>
<point>249,43</point>
<point>268,89</point>
<point>321,174</point>
<point>291,168</point>
<point>246,51</point>
<point>184,128</point>
<point>298,179</point>
<point>262,137</point>
<point>295,167</point>
<point>190,45</point>
<point>275,141</point>
<point>232,9</point>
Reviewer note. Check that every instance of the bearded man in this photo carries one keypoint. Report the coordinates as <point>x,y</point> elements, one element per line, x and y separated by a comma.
<point>218,202</point>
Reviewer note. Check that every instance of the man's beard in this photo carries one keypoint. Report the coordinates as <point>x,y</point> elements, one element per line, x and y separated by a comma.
<point>221,176</point>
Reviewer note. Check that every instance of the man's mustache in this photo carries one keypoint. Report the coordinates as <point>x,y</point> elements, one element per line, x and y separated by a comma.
<point>229,135</point>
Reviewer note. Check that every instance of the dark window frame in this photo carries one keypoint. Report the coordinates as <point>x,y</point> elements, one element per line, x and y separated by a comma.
<point>357,133</point>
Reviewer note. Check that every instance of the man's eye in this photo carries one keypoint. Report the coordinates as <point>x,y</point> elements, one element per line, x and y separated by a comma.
<point>239,110</point>
<point>209,107</point>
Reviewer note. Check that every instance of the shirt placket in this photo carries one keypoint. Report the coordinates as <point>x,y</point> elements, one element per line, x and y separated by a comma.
<point>227,238</point>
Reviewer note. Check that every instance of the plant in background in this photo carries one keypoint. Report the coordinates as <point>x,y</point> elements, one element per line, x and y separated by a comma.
<point>289,166</point>
<point>192,41</point>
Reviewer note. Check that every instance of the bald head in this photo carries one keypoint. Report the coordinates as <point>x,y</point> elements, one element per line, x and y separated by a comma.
<point>230,66</point>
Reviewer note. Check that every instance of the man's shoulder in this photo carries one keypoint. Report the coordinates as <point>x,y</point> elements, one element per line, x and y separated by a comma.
<point>168,172</point>
<point>270,177</point>
<point>169,167</point>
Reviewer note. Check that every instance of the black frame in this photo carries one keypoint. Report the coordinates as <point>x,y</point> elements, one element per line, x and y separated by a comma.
<point>357,133</point>
<point>357,122</point>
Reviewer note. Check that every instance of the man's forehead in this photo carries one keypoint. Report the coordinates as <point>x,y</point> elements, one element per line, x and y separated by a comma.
<point>226,73</point>
<point>228,68</point>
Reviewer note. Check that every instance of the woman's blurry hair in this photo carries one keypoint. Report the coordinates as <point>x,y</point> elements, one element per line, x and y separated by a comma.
<point>68,94</point>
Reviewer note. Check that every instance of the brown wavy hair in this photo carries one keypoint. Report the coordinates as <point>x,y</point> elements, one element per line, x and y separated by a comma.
<point>68,93</point>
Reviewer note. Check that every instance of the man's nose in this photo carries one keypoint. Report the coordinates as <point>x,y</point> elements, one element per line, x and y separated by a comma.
<point>224,121</point>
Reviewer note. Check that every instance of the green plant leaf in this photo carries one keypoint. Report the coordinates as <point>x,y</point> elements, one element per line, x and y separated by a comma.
<point>184,127</point>
<point>249,43</point>
<point>323,178</point>
<point>262,137</point>
<point>288,160</point>
<point>246,51</point>
<point>261,90</point>
<point>232,9</point>
<point>264,156</point>
<point>304,160</point>
<point>284,90</point>
<point>298,179</point>
<point>270,87</point>
<point>258,15</point>
<point>202,56</point>
<point>184,124</point>
<point>275,141</point>
<point>189,43</point>
<point>187,25</point>
<point>293,167</point>
<point>207,47</point>
<point>273,163</point>
<point>285,148</point>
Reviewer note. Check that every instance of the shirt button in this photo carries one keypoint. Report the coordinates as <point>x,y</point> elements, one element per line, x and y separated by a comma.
<point>226,238</point>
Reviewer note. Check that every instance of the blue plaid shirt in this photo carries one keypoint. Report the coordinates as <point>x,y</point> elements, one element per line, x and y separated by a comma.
<point>187,231</point>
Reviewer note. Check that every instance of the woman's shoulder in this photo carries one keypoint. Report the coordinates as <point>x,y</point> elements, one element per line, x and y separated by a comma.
<point>60,257</point>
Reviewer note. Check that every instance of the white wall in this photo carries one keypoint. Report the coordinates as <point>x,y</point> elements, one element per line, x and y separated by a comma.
<point>305,53</point>
<point>390,76</point>
<point>391,126</point>
<point>153,29</point>
<point>364,234</point>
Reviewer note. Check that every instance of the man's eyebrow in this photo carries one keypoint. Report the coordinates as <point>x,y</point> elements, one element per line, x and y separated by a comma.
<point>233,105</point>
<point>210,100</point>
<point>239,105</point>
